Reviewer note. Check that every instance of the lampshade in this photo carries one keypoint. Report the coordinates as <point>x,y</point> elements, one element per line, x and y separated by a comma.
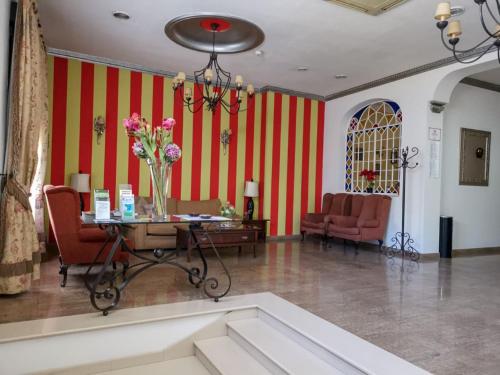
<point>251,189</point>
<point>80,182</point>
<point>443,11</point>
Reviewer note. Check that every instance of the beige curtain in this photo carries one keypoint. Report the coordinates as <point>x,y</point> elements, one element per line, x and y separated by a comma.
<point>27,134</point>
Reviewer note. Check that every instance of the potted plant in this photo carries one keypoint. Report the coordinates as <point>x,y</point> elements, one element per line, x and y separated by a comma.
<point>370,177</point>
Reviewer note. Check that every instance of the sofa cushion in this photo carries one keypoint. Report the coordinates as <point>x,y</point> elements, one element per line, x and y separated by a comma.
<point>357,204</point>
<point>161,229</point>
<point>344,221</point>
<point>209,206</point>
<point>333,229</point>
<point>369,211</point>
<point>143,205</point>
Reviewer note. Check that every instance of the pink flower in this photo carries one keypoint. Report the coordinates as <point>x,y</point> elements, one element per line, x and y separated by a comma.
<point>132,124</point>
<point>138,149</point>
<point>172,153</point>
<point>168,123</point>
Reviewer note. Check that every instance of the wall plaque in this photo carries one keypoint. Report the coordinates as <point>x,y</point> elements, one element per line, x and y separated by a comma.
<point>474,157</point>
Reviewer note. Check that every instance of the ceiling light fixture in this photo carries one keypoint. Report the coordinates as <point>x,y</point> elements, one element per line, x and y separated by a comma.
<point>121,15</point>
<point>302,69</point>
<point>488,14</point>
<point>212,82</point>
<point>341,76</point>
<point>259,52</point>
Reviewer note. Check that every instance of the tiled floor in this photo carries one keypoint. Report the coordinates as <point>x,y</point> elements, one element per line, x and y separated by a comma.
<point>443,316</point>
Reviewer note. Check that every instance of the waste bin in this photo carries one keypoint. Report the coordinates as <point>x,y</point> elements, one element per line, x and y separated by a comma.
<point>445,236</point>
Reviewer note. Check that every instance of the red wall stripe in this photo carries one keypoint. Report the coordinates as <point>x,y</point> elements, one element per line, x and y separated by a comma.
<point>157,110</point>
<point>135,106</point>
<point>215,154</point>
<point>197,146</point>
<point>233,153</point>
<point>86,124</point>
<point>59,120</point>
<point>275,175</point>
<point>305,157</point>
<point>319,156</point>
<point>263,125</point>
<point>177,138</point>
<point>111,132</point>
<point>249,139</point>
<point>290,175</point>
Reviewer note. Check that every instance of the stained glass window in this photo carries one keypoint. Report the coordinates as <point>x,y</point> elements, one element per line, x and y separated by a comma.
<point>373,142</point>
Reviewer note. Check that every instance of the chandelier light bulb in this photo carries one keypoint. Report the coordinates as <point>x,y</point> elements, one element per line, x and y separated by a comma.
<point>250,89</point>
<point>181,77</point>
<point>454,29</point>
<point>209,75</point>
<point>443,11</point>
<point>188,93</point>
<point>239,81</point>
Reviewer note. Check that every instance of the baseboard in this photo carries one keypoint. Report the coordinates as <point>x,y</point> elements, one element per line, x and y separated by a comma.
<point>475,252</point>
<point>284,238</point>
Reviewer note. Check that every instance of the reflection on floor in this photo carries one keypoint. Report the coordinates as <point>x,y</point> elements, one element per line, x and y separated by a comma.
<point>442,316</point>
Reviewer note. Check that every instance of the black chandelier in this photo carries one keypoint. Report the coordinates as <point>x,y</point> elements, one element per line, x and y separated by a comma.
<point>212,83</point>
<point>488,13</point>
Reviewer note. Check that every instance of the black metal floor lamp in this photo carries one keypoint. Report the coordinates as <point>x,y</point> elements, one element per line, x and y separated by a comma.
<point>402,243</point>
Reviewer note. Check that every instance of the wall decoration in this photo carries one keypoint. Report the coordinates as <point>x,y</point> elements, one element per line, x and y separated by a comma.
<point>277,141</point>
<point>474,157</point>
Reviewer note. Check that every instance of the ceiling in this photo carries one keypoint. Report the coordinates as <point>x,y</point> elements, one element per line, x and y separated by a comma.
<point>490,76</point>
<point>327,38</point>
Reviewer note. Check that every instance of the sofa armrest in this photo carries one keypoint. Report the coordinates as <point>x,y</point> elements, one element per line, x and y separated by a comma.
<point>373,223</point>
<point>314,217</point>
<point>344,221</point>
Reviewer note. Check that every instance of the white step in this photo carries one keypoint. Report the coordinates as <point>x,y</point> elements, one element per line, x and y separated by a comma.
<point>222,356</point>
<point>186,365</point>
<point>276,351</point>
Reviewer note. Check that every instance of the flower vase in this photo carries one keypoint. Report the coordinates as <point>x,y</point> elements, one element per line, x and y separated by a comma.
<point>160,179</point>
<point>369,189</point>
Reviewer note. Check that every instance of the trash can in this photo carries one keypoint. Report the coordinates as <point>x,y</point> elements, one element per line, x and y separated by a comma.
<point>445,236</point>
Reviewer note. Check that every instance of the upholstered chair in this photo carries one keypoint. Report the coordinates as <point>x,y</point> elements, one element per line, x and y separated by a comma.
<point>367,220</point>
<point>77,243</point>
<point>333,204</point>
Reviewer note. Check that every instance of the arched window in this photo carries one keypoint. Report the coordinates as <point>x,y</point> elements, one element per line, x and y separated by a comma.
<point>373,142</point>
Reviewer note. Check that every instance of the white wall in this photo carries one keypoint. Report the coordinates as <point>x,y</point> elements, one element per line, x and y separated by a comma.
<point>413,95</point>
<point>4,54</point>
<point>475,209</point>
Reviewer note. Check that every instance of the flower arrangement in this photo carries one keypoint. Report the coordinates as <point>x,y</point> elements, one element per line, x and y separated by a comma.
<point>370,176</point>
<point>154,144</point>
<point>228,210</point>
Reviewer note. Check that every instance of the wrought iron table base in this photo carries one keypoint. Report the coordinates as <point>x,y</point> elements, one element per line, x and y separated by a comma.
<point>105,290</point>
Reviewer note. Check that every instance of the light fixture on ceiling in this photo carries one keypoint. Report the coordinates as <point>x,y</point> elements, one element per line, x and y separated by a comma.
<point>302,69</point>
<point>340,76</point>
<point>259,52</point>
<point>488,14</point>
<point>214,34</point>
<point>121,15</point>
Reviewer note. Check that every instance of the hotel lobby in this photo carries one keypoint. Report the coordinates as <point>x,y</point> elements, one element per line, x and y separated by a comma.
<point>220,188</point>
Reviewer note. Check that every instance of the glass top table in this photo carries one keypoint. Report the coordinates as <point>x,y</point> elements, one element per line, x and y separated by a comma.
<point>105,288</point>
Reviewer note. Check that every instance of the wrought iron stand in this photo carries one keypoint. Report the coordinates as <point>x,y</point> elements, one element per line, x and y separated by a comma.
<point>105,289</point>
<point>402,243</point>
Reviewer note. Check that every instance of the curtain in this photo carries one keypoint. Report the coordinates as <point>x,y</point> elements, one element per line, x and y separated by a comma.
<point>27,134</point>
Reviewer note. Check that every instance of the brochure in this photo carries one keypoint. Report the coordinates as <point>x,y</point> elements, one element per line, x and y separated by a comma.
<point>102,204</point>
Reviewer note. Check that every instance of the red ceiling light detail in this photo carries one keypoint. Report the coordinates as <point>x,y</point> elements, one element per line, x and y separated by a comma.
<point>222,25</point>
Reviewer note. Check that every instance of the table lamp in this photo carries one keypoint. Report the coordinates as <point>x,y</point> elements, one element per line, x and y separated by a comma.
<point>81,183</point>
<point>251,191</point>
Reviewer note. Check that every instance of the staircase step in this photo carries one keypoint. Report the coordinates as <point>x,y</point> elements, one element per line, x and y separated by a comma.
<point>275,350</point>
<point>223,356</point>
<point>187,365</point>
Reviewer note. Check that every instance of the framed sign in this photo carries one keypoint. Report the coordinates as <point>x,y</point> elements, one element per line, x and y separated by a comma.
<point>474,157</point>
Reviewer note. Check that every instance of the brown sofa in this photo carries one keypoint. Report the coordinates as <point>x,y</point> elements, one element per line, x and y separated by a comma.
<point>333,204</point>
<point>367,220</point>
<point>152,236</point>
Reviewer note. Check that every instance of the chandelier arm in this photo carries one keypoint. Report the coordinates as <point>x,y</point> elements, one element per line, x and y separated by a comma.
<point>492,15</point>
<point>464,61</point>
<point>493,35</point>
<point>454,49</point>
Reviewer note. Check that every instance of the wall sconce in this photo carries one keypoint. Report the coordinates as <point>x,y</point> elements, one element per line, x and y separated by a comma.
<point>99,127</point>
<point>225,138</point>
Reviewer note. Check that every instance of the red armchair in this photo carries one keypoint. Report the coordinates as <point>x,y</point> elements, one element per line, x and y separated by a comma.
<point>77,244</point>
<point>366,222</point>
<point>333,204</point>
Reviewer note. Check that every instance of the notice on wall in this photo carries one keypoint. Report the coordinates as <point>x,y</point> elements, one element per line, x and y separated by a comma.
<point>434,159</point>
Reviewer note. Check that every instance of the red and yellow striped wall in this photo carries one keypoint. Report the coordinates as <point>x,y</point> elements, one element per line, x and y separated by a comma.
<point>277,141</point>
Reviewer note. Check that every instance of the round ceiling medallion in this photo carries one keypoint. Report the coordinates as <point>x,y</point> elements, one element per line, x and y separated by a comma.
<point>233,34</point>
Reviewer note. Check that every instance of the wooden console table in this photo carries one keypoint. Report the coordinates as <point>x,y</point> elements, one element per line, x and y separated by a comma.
<point>218,236</point>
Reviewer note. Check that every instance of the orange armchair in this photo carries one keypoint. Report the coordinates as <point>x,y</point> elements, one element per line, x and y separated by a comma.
<point>333,204</point>
<point>366,222</point>
<point>77,244</point>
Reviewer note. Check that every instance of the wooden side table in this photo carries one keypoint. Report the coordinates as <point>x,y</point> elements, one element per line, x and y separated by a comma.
<point>260,225</point>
